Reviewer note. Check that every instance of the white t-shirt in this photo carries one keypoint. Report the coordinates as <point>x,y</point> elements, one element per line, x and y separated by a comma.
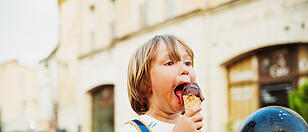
<point>153,124</point>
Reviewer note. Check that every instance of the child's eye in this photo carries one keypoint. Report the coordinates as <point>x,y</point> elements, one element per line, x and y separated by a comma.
<point>188,63</point>
<point>169,63</point>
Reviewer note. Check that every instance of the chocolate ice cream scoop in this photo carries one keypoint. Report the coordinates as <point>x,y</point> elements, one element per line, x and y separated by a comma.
<point>192,89</point>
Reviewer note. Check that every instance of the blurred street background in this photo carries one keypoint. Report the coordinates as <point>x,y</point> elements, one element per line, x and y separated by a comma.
<point>63,63</point>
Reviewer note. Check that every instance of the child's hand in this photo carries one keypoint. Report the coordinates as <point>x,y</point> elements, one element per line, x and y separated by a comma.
<point>191,121</point>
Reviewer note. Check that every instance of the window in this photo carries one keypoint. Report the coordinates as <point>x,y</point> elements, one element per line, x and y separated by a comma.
<point>171,8</point>
<point>275,94</point>
<point>92,40</point>
<point>103,109</point>
<point>143,9</point>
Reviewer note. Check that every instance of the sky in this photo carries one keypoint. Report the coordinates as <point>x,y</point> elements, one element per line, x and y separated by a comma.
<point>29,30</point>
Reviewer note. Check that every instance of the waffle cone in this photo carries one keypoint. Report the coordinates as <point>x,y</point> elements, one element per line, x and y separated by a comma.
<point>191,101</point>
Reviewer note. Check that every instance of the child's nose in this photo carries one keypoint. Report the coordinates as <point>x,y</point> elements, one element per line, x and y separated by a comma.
<point>184,73</point>
<point>184,70</point>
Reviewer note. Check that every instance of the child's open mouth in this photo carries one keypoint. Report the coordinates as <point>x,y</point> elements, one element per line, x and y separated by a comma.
<point>178,91</point>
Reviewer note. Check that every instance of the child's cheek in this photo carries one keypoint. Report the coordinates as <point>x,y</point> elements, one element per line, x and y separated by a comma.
<point>193,75</point>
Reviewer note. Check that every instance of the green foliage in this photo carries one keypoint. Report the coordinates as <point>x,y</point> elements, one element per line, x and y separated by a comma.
<point>1,126</point>
<point>298,100</point>
<point>229,126</point>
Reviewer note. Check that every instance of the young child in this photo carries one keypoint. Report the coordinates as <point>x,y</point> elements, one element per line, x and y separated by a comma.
<point>154,71</point>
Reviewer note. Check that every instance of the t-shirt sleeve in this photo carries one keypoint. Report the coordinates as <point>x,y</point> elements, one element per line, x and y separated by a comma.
<point>128,128</point>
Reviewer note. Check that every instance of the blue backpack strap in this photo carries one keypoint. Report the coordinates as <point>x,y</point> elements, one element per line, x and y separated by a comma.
<point>141,126</point>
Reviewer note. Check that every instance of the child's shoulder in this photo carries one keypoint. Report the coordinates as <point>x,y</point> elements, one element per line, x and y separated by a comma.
<point>148,122</point>
<point>132,125</point>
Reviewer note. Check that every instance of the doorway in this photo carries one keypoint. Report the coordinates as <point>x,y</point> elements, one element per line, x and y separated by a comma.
<point>103,108</point>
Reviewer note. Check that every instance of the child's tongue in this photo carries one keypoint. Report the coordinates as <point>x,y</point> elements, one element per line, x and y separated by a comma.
<point>179,93</point>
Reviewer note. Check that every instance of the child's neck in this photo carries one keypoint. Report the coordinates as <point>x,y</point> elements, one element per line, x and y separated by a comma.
<point>162,115</point>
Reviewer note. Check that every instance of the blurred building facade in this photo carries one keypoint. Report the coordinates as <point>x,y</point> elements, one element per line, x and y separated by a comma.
<point>19,102</point>
<point>249,54</point>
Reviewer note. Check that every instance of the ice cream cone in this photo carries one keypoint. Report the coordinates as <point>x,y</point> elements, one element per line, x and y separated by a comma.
<point>189,95</point>
<point>191,101</point>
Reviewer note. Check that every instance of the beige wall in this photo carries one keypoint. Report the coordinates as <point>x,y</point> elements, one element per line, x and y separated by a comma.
<point>216,33</point>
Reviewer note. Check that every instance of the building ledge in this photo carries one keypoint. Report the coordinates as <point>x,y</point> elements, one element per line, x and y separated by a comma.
<point>147,29</point>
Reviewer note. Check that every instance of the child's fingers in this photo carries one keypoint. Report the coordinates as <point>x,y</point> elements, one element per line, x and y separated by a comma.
<point>197,117</point>
<point>193,111</point>
<point>198,125</point>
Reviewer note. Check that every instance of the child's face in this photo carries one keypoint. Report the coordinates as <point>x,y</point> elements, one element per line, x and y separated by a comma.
<point>165,75</point>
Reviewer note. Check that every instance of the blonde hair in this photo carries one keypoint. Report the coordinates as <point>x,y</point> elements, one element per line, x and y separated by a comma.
<point>139,69</point>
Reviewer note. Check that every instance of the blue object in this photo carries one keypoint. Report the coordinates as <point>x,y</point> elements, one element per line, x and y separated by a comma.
<point>141,127</point>
<point>274,119</point>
